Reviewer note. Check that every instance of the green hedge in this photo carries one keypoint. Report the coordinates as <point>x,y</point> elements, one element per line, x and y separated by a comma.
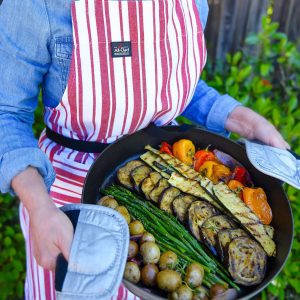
<point>264,76</point>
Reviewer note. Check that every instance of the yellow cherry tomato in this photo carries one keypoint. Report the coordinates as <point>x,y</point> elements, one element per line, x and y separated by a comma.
<point>184,150</point>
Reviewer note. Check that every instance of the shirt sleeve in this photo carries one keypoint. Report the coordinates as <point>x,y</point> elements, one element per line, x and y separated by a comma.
<point>24,59</point>
<point>210,109</point>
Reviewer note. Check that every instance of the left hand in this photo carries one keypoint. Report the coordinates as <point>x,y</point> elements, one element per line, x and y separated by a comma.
<point>251,125</point>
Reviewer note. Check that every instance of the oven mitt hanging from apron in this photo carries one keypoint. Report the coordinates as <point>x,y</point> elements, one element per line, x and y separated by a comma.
<point>281,164</point>
<point>98,254</point>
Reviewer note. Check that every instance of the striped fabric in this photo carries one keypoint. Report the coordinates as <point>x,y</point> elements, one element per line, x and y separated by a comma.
<point>108,97</point>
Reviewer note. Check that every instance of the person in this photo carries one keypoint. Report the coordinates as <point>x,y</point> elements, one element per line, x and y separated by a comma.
<point>106,69</point>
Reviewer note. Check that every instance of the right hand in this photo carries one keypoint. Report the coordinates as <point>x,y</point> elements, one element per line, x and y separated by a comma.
<point>51,234</point>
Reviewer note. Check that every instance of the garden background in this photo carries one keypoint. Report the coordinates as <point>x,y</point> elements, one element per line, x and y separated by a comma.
<point>256,61</point>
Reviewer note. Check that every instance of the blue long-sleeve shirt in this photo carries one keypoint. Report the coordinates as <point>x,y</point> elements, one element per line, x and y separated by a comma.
<point>35,50</point>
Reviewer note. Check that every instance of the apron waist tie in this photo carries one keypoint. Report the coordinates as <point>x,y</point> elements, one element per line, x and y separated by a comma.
<point>78,145</point>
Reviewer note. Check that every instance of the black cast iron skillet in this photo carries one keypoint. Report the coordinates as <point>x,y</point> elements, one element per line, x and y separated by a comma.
<point>102,173</point>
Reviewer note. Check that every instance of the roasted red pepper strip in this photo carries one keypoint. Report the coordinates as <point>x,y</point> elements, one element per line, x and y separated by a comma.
<point>240,174</point>
<point>166,148</point>
<point>202,156</point>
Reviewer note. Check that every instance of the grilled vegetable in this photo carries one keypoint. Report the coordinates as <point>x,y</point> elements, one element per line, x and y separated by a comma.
<point>149,183</point>
<point>166,148</point>
<point>108,201</point>
<point>198,213</point>
<point>148,274</point>
<point>224,238</point>
<point>180,206</point>
<point>168,260</point>
<point>192,187</point>
<point>202,156</point>
<point>149,158</point>
<point>138,174</point>
<point>243,214</point>
<point>184,150</point>
<point>270,231</point>
<point>168,280</point>
<point>132,272</point>
<point>211,227</point>
<point>194,275</point>
<point>167,197</point>
<point>247,261</point>
<point>183,169</point>
<point>123,173</point>
<point>256,200</point>
<point>158,189</point>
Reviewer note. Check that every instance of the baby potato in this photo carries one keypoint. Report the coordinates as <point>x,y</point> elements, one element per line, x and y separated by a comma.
<point>194,275</point>
<point>182,293</point>
<point>108,201</point>
<point>199,293</point>
<point>150,252</point>
<point>147,237</point>
<point>124,212</point>
<point>136,227</point>
<point>168,280</point>
<point>149,273</point>
<point>168,260</point>
<point>132,272</point>
<point>133,249</point>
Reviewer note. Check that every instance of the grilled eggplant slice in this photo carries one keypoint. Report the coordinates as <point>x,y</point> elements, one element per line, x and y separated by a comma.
<point>167,197</point>
<point>224,239</point>
<point>211,227</point>
<point>152,160</point>
<point>148,184</point>
<point>270,231</point>
<point>247,261</point>
<point>198,213</point>
<point>158,190</point>
<point>181,204</point>
<point>243,214</point>
<point>123,173</point>
<point>138,174</point>
<point>192,187</point>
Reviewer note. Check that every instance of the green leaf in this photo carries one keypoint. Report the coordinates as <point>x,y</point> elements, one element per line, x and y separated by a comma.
<point>292,104</point>
<point>245,72</point>
<point>252,39</point>
<point>276,117</point>
<point>236,58</point>
<point>265,69</point>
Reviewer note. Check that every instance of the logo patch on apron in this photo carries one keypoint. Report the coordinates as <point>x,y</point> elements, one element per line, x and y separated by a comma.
<point>121,49</point>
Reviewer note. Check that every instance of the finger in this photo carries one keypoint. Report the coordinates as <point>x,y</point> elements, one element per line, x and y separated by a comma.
<point>66,243</point>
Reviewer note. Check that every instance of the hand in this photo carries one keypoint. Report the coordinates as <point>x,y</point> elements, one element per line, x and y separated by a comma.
<point>251,125</point>
<point>51,234</point>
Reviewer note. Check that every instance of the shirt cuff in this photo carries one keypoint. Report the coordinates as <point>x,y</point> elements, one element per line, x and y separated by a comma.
<point>18,160</point>
<point>219,113</point>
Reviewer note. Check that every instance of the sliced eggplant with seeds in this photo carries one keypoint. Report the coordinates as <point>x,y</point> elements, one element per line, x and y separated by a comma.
<point>224,239</point>
<point>167,197</point>
<point>211,227</point>
<point>198,213</point>
<point>149,183</point>
<point>158,190</point>
<point>138,174</point>
<point>247,261</point>
<point>181,204</point>
<point>123,173</point>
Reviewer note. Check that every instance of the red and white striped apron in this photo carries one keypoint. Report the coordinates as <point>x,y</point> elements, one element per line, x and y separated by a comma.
<point>108,97</point>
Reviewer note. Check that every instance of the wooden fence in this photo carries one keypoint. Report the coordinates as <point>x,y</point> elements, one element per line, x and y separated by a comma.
<point>230,21</point>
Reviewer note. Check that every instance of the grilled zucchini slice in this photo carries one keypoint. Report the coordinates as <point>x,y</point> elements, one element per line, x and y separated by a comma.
<point>123,173</point>
<point>181,204</point>
<point>193,188</point>
<point>152,160</point>
<point>182,168</point>
<point>149,183</point>
<point>167,197</point>
<point>138,174</point>
<point>224,238</point>
<point>243,214</point>
<point>211,227</point>
<point>158,190</point>
<point>198,213</point>
<point>247,261</point>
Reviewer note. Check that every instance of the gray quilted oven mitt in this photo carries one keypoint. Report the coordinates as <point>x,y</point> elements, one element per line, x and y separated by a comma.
<point>98,254</point>
<point>281,164</point>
